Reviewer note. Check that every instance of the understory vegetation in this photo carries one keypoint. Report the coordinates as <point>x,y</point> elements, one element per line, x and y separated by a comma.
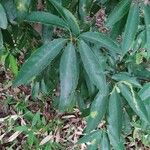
<point>74,74</point>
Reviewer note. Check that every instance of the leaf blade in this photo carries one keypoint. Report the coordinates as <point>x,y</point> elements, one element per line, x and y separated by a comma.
<point>39,60</point>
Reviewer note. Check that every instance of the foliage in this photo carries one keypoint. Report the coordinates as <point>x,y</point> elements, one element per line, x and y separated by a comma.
<point>99,61</point>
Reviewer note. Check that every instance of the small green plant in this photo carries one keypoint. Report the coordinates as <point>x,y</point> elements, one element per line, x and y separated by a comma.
<point>99,61</point>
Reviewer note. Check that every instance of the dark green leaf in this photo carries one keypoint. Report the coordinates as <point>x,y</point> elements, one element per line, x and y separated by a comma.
<point>119,11</point>
<point>131,27</point>
<point>97,111</point>
<point>134,101</point>
<point>89,137</point>
<point>3,18</point>
<point>39,60</point>
<point>115,119</point>
<point>68,76</point>
<point>103,40</point>
<point>144,93</point>
<point>92,66</point>
<point>104,144</point>
<point>68,17</point>
<point>147,21</point>
<point>124,76</point>
<point>45,18</point>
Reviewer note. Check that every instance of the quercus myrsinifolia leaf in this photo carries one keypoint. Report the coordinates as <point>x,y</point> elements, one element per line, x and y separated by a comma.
<point>144,93</point>
<point>22,7</point>
<point>147,22</point>
<point>89,137</point>
<point>97,111</point>
<point>115,120</point>
<point>69,74</point>
<point>105,143</point>
<point>131,27</point>
<point>45,18</point>
<point>39,60</point>
<point>118,12</point>
<point>3,18</point>
<point>84,8</point>
<point>68,17</point>
<point>103,40</point>
<point>134,100</point>
<point>92,66</point>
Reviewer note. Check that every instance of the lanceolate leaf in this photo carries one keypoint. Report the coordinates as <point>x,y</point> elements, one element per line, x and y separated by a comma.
<point>1,40</point>
<point>45,18</point>
<point>147,21</point>
<point>145,92</point>
<point>92,66</point>
<point>124,76</point>
<point>89,137</point>
<point>97,112</point>
<point>68,16</point>
<point>84,7</point>
<point>104,144</point>
<point>115,119</point>
<point>68,76</point>
<point>131,27</point>
<point>39,60</point>
<point>134,101</point>
<point>3,18</point>
<point>119,11</point>
<point>103,40</point>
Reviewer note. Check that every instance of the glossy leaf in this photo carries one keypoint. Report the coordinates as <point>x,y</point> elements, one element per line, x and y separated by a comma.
<point>103,40</point>
<point>131,27</point>
<point>105,143</point>
<point>84,7</point>
<point>68,17</point>
<point>115,119</point>
<point>92,66</point>
<point>134,101</point>
<point>89,137</point>
<point>119,11</point>
<point>97,112</point>
<point>39,60</point>
<point>3,18</point>
<point>124,76</point>
<point>147,22</point>
<point>68,76</point>
<point>144,93</point>
<point>45,18</point>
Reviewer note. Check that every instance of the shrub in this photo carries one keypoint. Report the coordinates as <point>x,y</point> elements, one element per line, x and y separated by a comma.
<point>96,52</point>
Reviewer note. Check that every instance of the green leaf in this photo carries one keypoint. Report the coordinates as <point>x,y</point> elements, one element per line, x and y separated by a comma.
<point>134,101</point>
<point>115,119</point>
<point>92,66</point>
<point>147,22</point>
<point>39,60</point>
<point>3,18</point>
<point>89,137</point>
<point>144,93</point>
<point>1,40</point>
<point>46,18</point>
<point>131,27</point>
<point>103,40</point>
<point>22,7</point>
<point>13,64</point>
<point>97,111</point>
<point>104,144</point>
<point>68,17</point>
<point>36,119</point>
<point>119,11</point>
<point>124,76</point>
<point>69,74</point>
<point>84,8</point>
<point>35,90</point>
